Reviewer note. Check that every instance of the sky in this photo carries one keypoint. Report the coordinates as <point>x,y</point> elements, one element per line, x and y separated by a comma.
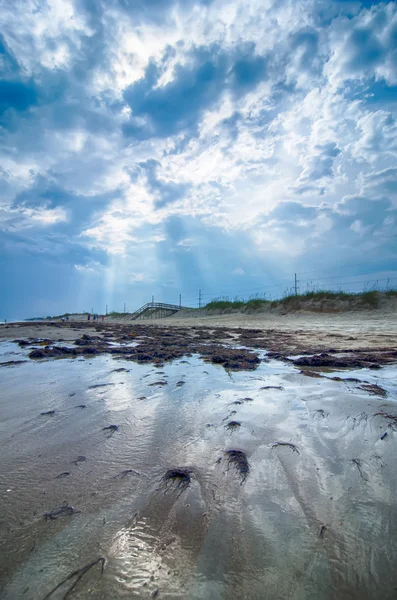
<point>162,147</point>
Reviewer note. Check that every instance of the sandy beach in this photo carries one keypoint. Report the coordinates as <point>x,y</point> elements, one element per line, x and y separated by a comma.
<point>199,458</point>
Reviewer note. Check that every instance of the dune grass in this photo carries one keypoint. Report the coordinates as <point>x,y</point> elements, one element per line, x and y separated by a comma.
<point>225,303</point>
<point>370,299</point>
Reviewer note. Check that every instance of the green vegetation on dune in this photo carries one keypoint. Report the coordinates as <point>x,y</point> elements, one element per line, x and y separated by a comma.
<point>370,299</point>
<point>225,303</point>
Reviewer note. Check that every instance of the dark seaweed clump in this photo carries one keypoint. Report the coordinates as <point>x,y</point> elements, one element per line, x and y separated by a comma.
<point>178,478</point>
<point>239,460</point>
<point>111,428</point>
<point>233,425</point>
<point>62,511</point>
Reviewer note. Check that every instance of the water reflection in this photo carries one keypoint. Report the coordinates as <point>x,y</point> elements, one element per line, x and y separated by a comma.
<point>221,537</point>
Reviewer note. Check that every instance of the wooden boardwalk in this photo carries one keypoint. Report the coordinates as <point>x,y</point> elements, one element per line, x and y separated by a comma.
<point>155,310</point>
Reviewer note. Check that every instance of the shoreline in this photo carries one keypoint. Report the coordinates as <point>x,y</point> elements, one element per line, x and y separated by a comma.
<point>333,340</point>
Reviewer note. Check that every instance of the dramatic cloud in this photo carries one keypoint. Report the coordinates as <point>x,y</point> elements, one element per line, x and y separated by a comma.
<point>165,146</point>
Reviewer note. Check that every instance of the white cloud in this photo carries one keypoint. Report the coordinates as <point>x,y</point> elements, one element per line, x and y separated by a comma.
<point>363,47</point>
<point>305,133</point>
<point>93,267</point>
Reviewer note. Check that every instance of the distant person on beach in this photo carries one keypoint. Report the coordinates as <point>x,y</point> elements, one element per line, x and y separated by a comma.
<point>103,317</point>
<point>88,317</point>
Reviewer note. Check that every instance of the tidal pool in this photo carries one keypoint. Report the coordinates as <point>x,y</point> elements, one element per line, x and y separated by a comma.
<point>311,521</point>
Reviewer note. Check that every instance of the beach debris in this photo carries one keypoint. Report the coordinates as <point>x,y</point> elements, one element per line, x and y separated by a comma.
<point>79,459</point>
<point>233,425</point>
<point>180,383</point>
<point>382,437</point>
<point>158,383</point>
<point>323,529</point>
<point>111,428</point>
<point>37,354</point>
<point>179,478</point>
<point>239,460</point>
<point>322,413</point>
<point>120,370</point>
<point>230,358</point>
<point>12,363</point>
<point>374,389</point>
<point>81,406</point>
<point>155,593</point>
<point>48,413</point>
<point>100,385</point>
<point>289,444</point>
<point>358,463</point>
<point>61,511</point>
<point>271,387</point>
<point>391,418</point>
<point>78,574</point>
<point>64,474</point>
<point>241,401</point>
<point>309,373</point>
<point>125,473</point>
<point>231,414</point>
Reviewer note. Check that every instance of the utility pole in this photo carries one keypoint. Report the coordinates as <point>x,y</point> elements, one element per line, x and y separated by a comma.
<point>92,311</point>
<point>296,285</point>
<point>152,299</point>
<point>106,309</point>
<point>180,300</point>
<point>199,298</point>
<point>125,308</point>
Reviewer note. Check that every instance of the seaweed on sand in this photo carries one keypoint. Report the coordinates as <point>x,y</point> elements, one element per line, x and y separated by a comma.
<point>178,478</point>
<point>49,413</point>
<point>78,574</point>
<point>99,385</point>
<point>374,389</point>
<point>391,418</point>
<point>125,473</point>
<point>271,387</point>
<point>323,529</point>
<point>358,463</point>
<point>233,425</point>
<point>111,429</point>
<point>241,401</point>
<point>292,446</point>
<point>239,460</point>
<point>61,511</point>
<point>78,460</point>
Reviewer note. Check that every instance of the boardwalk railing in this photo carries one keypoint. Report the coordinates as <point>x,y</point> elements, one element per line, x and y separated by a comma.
<point>156,306</point>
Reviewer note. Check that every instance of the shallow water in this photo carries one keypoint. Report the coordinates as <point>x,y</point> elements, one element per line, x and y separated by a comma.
<point>221,537</point>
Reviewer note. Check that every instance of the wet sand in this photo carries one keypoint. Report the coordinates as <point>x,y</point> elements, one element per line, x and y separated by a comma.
<point>312,520</point>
